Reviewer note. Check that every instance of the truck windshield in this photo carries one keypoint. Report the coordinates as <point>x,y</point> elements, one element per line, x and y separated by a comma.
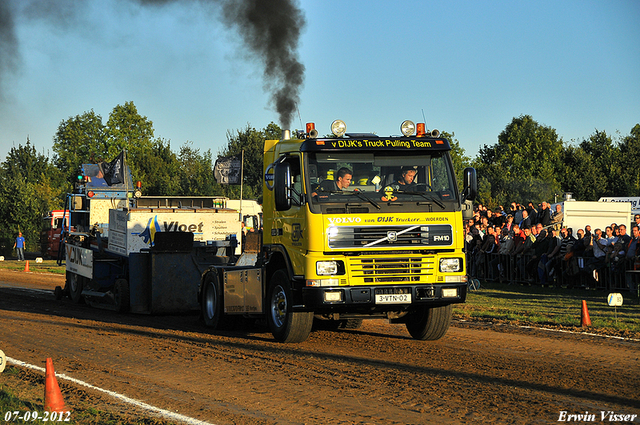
<point>380,178</point>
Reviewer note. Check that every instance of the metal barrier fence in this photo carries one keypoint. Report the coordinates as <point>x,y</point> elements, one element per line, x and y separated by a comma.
<point>579,272</point>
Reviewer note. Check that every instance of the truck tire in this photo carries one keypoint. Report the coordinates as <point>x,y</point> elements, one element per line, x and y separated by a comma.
<point>121,295</point>
<point>211,301</point>
<point>74,285</point>
<point>429,323</point>
<point>285,324</point>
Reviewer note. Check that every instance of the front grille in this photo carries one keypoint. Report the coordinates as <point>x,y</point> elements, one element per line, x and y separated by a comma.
<point>409,270</point>
<point>345,237</point>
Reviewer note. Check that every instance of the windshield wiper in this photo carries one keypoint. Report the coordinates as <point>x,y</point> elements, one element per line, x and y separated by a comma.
<point>358,193</point>
<point>362,196</point>
<point>428,198</point>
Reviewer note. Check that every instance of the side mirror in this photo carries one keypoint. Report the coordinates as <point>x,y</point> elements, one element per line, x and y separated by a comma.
<point>467,210</point>
<point>282,186</point>
<point>470,181</point>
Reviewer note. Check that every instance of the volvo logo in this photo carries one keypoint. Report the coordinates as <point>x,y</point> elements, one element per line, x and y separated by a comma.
<point>392,236</point>
<point>268,176</point>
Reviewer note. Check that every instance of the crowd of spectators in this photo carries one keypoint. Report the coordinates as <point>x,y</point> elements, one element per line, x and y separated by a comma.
<point>528,244</point>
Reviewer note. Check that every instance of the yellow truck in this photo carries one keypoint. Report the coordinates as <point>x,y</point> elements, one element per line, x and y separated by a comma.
<point>356,226</point>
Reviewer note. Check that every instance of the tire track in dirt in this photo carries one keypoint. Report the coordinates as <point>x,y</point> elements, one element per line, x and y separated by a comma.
<point>373,375</point>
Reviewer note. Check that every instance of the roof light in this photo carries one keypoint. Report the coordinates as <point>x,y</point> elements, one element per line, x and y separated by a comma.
<point>138,192</point>
<point>407,128</point>
<point>421,132</point>
<point>338,128</point>
<point>311,130</point>
<point>90,194</point>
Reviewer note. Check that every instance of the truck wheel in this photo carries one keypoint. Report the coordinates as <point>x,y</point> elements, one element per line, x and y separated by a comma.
<point>285,324</point>
<point>74,285</point>
<point>121,295</point>
<point>429,323</point>
<point>211,303</point>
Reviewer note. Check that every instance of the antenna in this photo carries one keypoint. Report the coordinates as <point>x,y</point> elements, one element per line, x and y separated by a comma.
<point>425,120</point>
<point>299,117</point>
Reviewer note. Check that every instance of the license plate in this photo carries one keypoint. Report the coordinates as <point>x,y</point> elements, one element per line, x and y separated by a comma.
<point>393,299</point>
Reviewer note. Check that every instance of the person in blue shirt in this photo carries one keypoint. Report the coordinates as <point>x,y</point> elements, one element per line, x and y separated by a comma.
<point>19,246</point>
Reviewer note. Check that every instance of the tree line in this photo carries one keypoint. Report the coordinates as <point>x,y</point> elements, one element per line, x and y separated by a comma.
<point>529,162</point>
<point>31,184</point>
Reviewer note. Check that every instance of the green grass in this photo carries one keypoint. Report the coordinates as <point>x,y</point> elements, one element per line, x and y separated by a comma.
<point>9,402</point>
<point>31,400</point>
<point>47,266</point>
<point>534,305</point>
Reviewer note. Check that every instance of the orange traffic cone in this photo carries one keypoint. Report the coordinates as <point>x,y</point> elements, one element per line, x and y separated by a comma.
<point>52,397</point>
<point>26,266</point>
<point>584,317</point>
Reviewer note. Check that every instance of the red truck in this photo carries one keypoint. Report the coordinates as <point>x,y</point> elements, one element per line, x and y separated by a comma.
<point>50,233</point>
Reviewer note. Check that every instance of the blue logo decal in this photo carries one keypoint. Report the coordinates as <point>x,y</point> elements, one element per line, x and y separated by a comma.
<point>149,233</point>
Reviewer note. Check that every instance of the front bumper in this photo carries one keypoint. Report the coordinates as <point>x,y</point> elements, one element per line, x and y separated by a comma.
<point>378,298</point>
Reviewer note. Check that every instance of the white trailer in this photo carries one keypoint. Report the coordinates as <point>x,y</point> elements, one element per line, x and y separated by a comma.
<point>598,215</point>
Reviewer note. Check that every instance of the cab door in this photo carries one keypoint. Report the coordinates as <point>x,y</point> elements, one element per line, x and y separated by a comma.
<point>290,227</point>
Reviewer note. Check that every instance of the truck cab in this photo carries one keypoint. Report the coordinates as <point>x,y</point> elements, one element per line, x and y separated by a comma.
<point>387,244</point>
<point>50,232</point>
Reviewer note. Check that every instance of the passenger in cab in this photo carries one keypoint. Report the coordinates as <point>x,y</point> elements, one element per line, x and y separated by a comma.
<point>408,176</point>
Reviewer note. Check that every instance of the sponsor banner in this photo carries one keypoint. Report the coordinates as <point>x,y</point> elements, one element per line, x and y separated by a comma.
<point>350,220</point>
<point>134,230</point>
<point>633,200</point>
<point>397,231</point>
<point>79,260</point>
<point>374,143</point>
<point>117,242</point>
<point>117,221</point>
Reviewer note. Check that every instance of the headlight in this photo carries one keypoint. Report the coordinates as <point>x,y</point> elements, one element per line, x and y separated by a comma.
<point>450,265</point>
<point>407,128</point>
<point>332,296</point>
<point>449,292</point>
<point>326,268</point>
<point>338,128</point>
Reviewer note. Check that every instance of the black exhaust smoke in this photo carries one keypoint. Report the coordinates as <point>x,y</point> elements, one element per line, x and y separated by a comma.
<point>8,43</point>
<point>270,31</point>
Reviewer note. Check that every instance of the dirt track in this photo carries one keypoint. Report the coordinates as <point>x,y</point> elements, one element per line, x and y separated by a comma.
<point>375,375</point>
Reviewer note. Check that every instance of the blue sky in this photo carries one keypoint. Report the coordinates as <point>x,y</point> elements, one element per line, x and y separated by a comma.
<point>470,66</point>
